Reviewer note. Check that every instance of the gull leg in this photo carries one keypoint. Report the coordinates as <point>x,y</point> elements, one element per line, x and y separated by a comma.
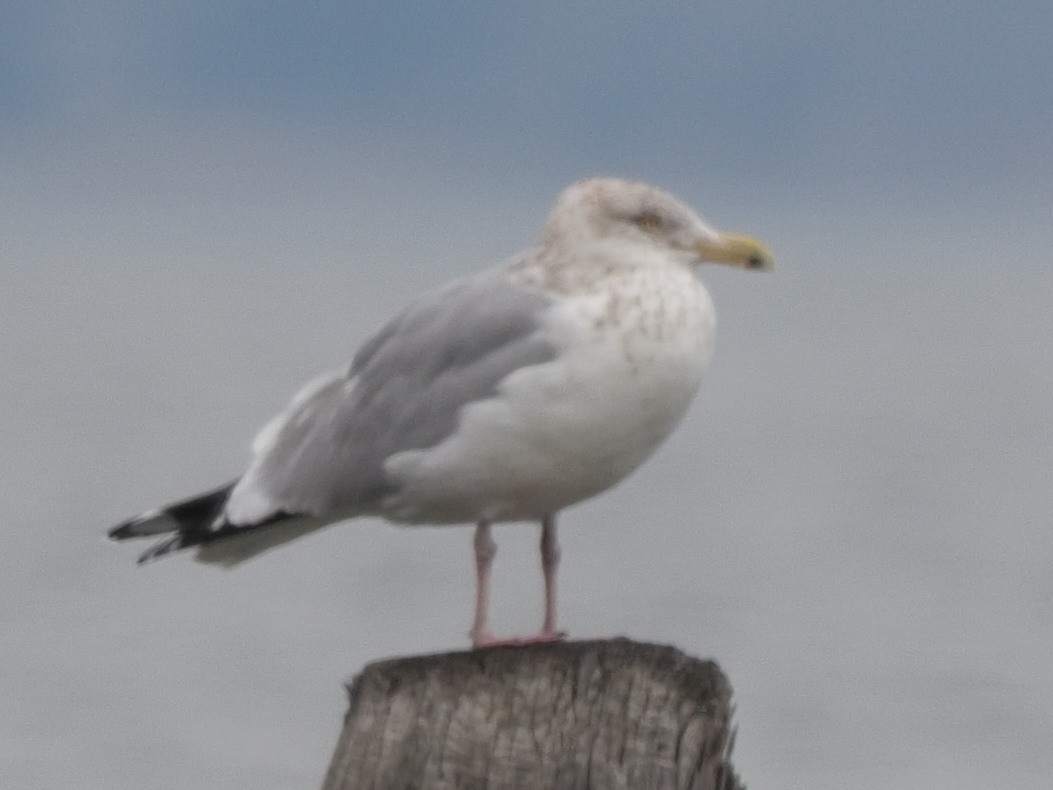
<point>550,556</point>
<point>485,549</point>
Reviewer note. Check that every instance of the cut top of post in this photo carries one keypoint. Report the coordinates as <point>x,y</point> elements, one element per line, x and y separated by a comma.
<point>596,714</point>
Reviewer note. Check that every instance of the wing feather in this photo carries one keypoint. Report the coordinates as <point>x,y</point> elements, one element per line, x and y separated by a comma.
<point>404,390</point>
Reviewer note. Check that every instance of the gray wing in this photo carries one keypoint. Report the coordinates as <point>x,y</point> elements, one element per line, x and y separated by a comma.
<point>404,390</point>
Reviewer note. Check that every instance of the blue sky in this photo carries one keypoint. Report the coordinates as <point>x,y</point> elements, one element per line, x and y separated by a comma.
<point>204,204</point>
<point>813,99</point>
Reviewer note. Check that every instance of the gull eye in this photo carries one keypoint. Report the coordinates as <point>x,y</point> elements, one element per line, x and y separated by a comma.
<point>648,221</point>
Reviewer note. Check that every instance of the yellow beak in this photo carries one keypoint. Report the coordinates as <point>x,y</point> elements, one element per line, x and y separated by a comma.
<point>736,251</point>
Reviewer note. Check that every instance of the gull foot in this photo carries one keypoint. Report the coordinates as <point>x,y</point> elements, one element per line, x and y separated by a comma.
<point>485,640</point>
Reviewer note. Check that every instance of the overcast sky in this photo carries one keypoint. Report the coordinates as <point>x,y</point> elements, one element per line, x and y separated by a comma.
<point>204,204</point>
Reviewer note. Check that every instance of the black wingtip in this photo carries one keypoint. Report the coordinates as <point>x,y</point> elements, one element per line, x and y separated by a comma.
<point>122,531</point>
<point>192,515</point>
<point>158,550</point>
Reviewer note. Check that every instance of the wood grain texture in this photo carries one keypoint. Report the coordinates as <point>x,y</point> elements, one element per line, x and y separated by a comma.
<point>575,715</point>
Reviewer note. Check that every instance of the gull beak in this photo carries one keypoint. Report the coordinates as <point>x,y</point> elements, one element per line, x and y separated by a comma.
<point>739,251</point>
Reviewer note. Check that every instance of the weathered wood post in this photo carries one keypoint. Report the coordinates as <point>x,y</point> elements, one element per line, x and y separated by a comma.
<point>578,715</point>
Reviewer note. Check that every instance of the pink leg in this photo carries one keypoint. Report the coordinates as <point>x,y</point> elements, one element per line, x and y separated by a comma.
<point>485,549</point>
<point>550,555</point>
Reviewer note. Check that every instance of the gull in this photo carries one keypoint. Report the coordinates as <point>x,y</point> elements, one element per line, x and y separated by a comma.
<point>505,396</point>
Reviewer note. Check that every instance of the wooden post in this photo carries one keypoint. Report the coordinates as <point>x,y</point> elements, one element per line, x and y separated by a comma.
<point>577,715</point>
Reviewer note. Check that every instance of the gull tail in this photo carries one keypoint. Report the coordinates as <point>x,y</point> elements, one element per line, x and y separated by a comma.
<point>197,523</point>
<point>190,522</point>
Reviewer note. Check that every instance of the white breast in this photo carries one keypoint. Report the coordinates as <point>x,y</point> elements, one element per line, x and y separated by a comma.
<point>632,357</point>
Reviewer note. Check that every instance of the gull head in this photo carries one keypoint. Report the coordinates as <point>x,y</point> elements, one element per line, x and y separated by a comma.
<point>613,210</point>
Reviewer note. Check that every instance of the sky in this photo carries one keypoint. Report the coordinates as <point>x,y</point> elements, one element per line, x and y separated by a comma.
<point>206,204</point>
